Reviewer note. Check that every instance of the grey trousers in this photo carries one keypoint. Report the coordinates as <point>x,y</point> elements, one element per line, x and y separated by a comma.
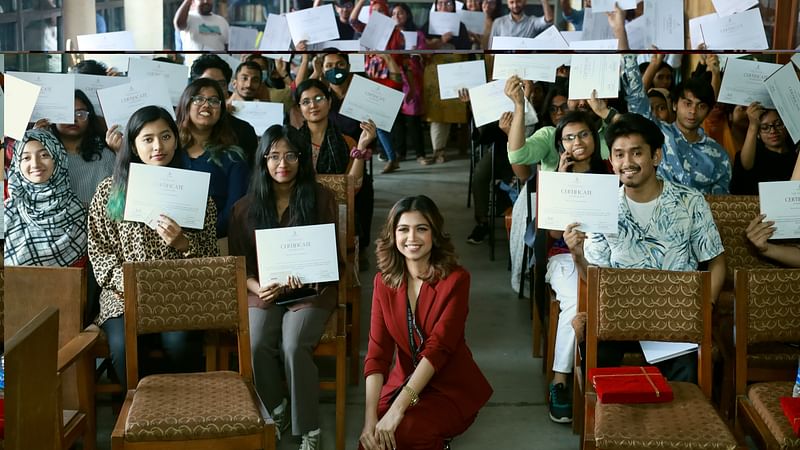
<point>295,334</point>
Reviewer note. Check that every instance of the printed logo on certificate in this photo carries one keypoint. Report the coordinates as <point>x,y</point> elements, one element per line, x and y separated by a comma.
<point>588,198</point>
<point>307,252</point>
<point>780,202</point>
<point>181,195</point>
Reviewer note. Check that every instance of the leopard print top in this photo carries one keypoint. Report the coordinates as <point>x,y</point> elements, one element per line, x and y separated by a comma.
<point>112,243</point>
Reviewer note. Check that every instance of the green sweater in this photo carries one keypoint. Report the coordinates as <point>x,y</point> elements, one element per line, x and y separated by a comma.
<point>540,148</point>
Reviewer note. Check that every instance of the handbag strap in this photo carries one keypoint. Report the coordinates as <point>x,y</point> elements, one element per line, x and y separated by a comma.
<point>413,329</point>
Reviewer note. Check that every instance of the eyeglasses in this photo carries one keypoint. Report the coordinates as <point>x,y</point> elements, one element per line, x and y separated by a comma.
<point>558,108</point>
<point>317,99</point>
<point>276,158</point>
<point>213,102</point>
<point>583,135</point>
<point>81,114</point>
<point>775,126</point>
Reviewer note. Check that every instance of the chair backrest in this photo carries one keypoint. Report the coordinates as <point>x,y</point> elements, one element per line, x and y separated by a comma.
<point>651,305</point>
<point>32,401</point>
<point>767,311</point>
<point>732,214</point>
<point>30,289</point>
<point>186,294</point>
<point>343,187</point>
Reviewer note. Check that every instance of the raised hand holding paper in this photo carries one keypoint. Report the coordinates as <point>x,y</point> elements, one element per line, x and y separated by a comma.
<point>461,75</point>
<point>594,72</point>
<point>181,195</point>
<point>780,202</point>
<point>539,67</point>
<point>595,26</point>
<point>489,102</point>
<point>743,82</point>
<point>784,89</point>
<point>313,24</point>
<point>276,34</point>
<point>588,198</point>
<point>173,76</point>
<point>307,252</point>
<point>56,101</point>
<point>665,24</point>
<point>261,115</point>
<point>377,32</point>
<point>367,99</point>
<point>120,102</point>
<point>20,97</point>
<point>742,31</point>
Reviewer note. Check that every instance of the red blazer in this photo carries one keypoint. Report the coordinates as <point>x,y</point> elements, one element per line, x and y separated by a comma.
<point>441,315</point>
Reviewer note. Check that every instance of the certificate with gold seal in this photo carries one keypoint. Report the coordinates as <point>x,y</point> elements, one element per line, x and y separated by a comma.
<point>589,199</point>
<point>307,252</point>
<point>780,202</point>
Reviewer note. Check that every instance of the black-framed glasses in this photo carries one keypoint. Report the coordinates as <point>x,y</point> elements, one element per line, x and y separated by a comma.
<point>317,99</point>
<point>213,102</point>
<point>583,135</point>
<point>559,108</point>
<point>276,158</point>
<point>81,114</point>
<point>774,126</point>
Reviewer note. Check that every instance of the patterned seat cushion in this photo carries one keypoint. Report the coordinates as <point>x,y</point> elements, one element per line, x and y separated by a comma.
<point>185,406</point>
<point>765,398</point>
<point>688,422</point>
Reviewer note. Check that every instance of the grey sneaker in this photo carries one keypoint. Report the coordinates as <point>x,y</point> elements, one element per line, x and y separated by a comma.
<point>311,441</point>
<point>282,418</point>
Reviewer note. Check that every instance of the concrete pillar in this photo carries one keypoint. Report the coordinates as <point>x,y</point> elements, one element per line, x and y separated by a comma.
<point>145,19</point>
<point>78,18</point>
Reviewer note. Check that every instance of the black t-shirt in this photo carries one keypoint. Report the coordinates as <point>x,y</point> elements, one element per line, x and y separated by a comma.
<point>768,166</point>
<point>248,140</point>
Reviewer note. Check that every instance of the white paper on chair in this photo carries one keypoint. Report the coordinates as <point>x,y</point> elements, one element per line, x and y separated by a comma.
<point>56,100</point>
<point>784,88</point>
<point>461,75</point>
<point>655,351</point>
<point>594,71</point>
<point>743,82</point>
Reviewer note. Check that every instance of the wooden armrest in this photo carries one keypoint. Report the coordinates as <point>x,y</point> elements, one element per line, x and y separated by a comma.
<point>76,348</point>
<point>341,319</point>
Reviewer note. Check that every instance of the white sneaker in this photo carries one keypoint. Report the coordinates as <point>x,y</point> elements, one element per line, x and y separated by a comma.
<point>282,418</point>
<point>311,441</point>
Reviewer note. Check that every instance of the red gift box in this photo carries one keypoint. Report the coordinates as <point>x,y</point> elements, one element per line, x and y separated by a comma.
<point>791,408</point>
<point>630,385</point>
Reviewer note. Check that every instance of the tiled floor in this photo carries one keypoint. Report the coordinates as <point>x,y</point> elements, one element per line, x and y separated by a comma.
<point>498,328</point>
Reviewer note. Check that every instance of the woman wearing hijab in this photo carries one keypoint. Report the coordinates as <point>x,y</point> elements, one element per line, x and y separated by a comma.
<point>45,221</point>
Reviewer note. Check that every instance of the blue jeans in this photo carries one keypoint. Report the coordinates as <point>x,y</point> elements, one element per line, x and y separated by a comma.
<point>386,142</point>
<point>182,349</point>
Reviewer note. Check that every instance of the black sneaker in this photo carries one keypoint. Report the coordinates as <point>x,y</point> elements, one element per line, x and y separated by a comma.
<point>478,234</point>
<point>560,406</point>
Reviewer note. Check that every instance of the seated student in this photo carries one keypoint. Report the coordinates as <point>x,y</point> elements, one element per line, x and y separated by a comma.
<point>662,225</point>
<point>432,389</point>
<point>578,143</point>
<point>276,81</point>
<point>283,193</point>
<point>247,83</point>
<point>45,222</point>
<point>768,153</point>
<point>210,145</point>
<point>151,137</point>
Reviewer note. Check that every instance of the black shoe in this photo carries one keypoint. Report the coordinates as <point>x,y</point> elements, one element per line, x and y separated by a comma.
<point>478,234</point>
<point>560,406</point>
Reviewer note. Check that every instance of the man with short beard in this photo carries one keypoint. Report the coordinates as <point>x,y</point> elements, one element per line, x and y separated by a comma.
<point>247,81</point>
<point>199,27</point>
<point>517,24</point>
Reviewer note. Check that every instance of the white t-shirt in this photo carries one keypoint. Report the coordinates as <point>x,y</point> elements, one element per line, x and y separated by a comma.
<point>205,32</point>
<point>642,212</point>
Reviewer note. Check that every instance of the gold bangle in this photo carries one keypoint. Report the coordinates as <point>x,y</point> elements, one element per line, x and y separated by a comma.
<point>411,393</point>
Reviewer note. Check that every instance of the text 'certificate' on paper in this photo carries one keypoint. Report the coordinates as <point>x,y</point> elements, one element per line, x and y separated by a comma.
<point>307,252</point>
<point>743,82</point>
<point>780,202</point>
<point>181,195</point>
<point>56,101</point>
<point>120,102</point>
<point>590,199</point>
<point>367,99</point>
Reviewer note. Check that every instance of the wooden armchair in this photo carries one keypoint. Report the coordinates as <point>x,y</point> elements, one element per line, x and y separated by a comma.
<point>30,290</point>
<point>767,313</point>
<point>639,304</point>
<point>209,410</point>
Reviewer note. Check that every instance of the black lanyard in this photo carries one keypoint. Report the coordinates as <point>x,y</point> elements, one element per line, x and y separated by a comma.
<point>412,329</point>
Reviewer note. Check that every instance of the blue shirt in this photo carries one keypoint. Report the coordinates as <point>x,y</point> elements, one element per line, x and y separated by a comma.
<point>703,165</point>
<point>576,19</point>
<point>681,233</point>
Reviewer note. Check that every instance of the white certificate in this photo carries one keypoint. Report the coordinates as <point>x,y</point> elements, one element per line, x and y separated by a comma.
<point>411,39</point>
<point>572,36</point>
<point>120,102</point>
<point>475,21</point>
<point>595,26</point>
<point>780,202</point>
<point>639,37</point>
<point>276,34</point>
<point>742,31</point>
<point>796,59</point>
<point>20,97</point>
<point>538,67</point>
<point>461,75</point>
<point>307,252</point>
<point>608,5</point>
<point>345,46</point>
<point>665,24</point>
<point>601,44</point>
<point>90,84</point>
<point>358,62</point>
<point>550,39</point>
<point>440,23</point>
<point>181,195</point>
<point>367,99</point>
<point>489,102</point>
<point>377,32</point>
<point>588,198</point>
<point>242,39</point>
<point>743,82</point>
<point>728,7</point>
<point>313,24</point>
<point>116,41</point>
<point>512,43</point>
<point>174,76</point>
<point>695,33</point>
<point>261,115</point>
<point>657,351</point>
<point>589,72</point>
<point>56,100</point>
<point>784,88</point>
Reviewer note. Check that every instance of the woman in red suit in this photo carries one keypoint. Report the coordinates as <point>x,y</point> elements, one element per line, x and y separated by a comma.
<point>419,308</point>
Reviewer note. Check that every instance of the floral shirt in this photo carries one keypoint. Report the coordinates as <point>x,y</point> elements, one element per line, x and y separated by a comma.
<point>703,165</point>
<point>681,233</point>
